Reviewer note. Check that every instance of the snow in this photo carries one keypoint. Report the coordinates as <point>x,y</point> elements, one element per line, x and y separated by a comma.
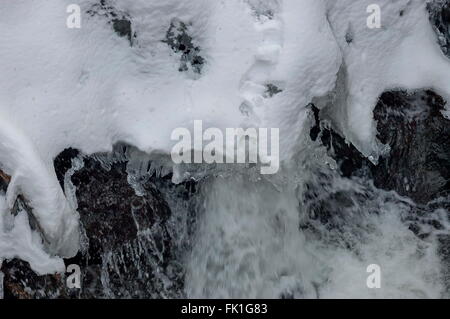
<point>17,240</point>
<point>307,67</point>
<point>38,184</point>
<point>89,89</point>
<point>403,53</point>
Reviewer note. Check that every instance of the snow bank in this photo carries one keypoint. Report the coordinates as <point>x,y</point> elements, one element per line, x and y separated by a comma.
<point>37,182</point>
<point>403,53</point>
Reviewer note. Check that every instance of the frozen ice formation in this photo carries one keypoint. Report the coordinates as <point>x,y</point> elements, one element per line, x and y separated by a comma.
<point>88,88</point>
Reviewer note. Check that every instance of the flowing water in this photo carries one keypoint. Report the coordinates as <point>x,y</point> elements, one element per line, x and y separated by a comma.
<point>312,235</point>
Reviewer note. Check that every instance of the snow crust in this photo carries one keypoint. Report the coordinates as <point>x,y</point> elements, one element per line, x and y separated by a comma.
<point>403,53</point>
<point>18,240</point>
<point>89,89</point>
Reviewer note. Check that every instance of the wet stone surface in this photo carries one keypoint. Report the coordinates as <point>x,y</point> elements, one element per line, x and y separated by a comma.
<point>127,250</point>
<point>417,167</point>
<point>418,164</point>
<point>440,19</point>
<point>419,136</point>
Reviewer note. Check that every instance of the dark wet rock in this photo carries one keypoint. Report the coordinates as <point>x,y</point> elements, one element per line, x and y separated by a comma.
<point>4,181</point>
<point>271,90</point>
<point>20,282</point>
<point>348,158</point>
<point>418,165</point>
<point>129,252</point>
<point>106,203</point>
<point>120,21</point>
<point>63,162</point>
<point>132,243</point>
<point>123,28</point>
<point>181,42</point>
<point>440,19</point>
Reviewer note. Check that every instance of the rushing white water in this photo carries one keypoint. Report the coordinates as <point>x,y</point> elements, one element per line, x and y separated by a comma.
<point>312,236</point>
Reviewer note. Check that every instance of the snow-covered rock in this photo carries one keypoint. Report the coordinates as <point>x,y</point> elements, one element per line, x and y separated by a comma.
<point>89,88</point>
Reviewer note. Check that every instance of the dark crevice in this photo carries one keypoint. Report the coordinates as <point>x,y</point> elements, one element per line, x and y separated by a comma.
<point>63,162</point>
